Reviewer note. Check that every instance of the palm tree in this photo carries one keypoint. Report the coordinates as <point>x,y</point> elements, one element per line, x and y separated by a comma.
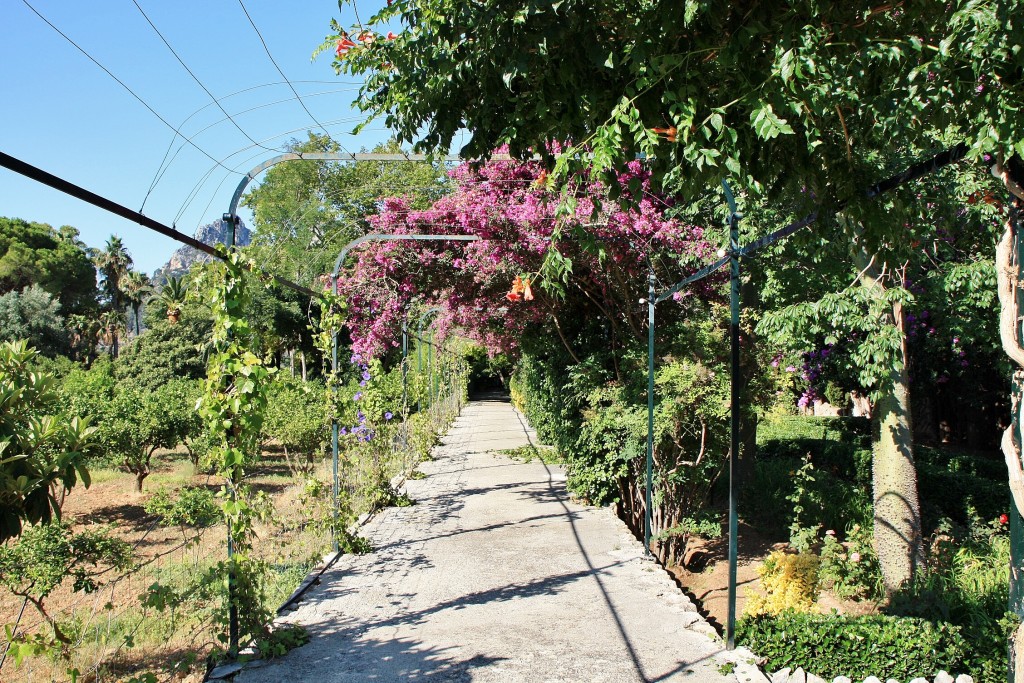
<point>114,263</point>
<point>111,325</point>
<point>84,333</point>
<point>172,297</point>
<point>136,287</point>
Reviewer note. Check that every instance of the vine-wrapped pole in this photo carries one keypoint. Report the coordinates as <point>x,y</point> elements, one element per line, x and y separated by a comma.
<point>419,352</point>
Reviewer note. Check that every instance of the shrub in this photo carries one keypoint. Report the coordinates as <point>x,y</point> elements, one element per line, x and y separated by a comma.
<point>193,506</point>
<point>850,569</point>
<point>833,645</point>
<point>297,417</point>
<point>41,454</point>
<point>790,583</point>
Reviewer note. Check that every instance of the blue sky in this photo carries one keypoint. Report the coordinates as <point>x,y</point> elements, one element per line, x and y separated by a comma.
<point>63,114</point>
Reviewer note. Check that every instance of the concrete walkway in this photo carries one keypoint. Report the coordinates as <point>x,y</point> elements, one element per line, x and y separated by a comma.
<point>494,575</point>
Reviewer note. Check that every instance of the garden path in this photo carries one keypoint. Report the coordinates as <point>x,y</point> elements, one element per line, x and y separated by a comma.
<point>495,575</point>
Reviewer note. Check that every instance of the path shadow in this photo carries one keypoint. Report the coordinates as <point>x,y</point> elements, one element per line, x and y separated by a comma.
<point>344,655</point>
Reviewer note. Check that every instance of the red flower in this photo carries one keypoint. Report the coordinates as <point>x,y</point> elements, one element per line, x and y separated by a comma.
<point>527,292</point>
<point>344,45</point>
<point>512,296</point>
<point>391,35</point>
<point>1004,518</point>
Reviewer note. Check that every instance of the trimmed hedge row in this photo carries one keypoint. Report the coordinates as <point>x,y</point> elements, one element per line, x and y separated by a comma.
<point>831,645</point>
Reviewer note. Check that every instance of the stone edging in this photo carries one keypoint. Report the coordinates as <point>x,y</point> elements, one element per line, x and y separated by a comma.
<point>787,675</point>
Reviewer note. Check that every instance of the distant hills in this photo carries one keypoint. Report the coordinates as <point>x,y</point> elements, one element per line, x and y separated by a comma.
<point>184,258</point>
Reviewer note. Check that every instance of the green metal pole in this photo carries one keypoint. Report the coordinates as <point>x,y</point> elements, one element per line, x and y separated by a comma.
<point>405,368</point>
<point>335,489</point>
<point>734,408</point>
<point>430,371</point>
<point>419,368</point>
<point>649,486</point>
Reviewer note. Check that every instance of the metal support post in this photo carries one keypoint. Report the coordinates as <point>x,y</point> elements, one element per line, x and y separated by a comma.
<point>649,490</point>
<point>734,407</point>
<point>430,372</point>
<point>405,369</point>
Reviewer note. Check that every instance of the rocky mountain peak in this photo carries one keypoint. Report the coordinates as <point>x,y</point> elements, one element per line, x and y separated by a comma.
<point>183,259</point>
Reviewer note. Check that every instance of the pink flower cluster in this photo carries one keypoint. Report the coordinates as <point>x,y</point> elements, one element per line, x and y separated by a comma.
<point>506,204</point>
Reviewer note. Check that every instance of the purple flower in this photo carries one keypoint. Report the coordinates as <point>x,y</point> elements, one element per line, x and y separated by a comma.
<point>790,368</point>
<point>366,375</point>
<point>388,416</point>
<point>362,382</point>
<point>775,363</point>
<point>360,416</point>
<point>343,431</point>
<point>358,396</point>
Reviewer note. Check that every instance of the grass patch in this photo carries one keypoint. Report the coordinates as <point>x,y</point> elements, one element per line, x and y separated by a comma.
<point>528,453</point>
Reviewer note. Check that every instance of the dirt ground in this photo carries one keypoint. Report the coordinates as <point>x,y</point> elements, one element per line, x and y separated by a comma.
<point>164,552</point>
<point>706,577</point>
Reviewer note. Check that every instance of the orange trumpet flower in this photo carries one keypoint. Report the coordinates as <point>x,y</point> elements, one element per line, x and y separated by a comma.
<point>669,133</point>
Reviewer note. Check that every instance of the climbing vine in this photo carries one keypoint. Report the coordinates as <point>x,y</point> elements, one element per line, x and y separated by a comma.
<point>233,404</point>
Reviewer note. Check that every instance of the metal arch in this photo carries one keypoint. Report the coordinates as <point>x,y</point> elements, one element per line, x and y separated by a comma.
<point>324,156</point>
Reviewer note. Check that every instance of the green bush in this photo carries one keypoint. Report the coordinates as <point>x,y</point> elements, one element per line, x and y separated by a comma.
<point>297,418</point>
<point>965,583</point>
<point>42,454</point>
<point>851,570</point>
<point>831,645</point>
<point>193,506</point>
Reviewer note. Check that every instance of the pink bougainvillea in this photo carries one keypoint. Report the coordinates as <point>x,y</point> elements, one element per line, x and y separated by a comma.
<point>507,205</point>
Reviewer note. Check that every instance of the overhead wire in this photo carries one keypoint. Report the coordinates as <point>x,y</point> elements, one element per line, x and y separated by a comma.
<point>161,169</point>
<point>199,184</point>
<point>121,83</point>
<point>164,168</point>
<point>196,78</point>
<point>280,71</point>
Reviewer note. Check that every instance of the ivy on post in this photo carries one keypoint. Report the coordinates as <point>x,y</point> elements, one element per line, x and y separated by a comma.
<point>233,405</point>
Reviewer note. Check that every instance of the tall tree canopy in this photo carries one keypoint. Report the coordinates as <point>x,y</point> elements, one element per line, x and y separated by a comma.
<point>38,254</point>
<point>782,96</point>
<point>305,212</point>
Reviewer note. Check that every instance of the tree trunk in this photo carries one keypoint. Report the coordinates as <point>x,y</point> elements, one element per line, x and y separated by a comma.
<point>291,362</point>
<point>894,480</point>
<point>897,510</point>
<point>1008,273</point>
<point>302,359</point>
<point>140,476</point>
